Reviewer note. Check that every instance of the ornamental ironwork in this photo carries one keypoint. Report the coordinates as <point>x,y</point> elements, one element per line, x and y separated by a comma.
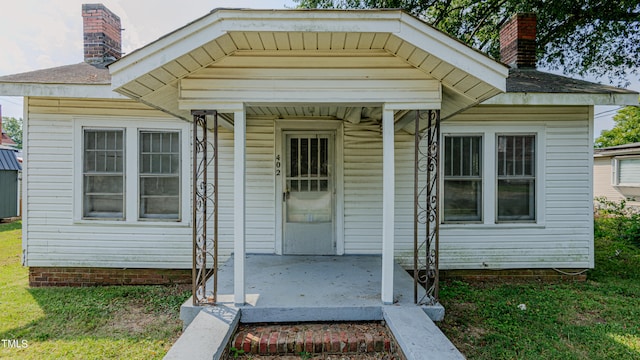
<point>426,223</point>
<point>205,209</point>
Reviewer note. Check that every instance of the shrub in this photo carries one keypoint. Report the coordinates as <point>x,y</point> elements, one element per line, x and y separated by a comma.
<point>616,221</point>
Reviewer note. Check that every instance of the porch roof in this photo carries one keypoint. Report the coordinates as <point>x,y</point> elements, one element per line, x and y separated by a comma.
<point>242,38</point>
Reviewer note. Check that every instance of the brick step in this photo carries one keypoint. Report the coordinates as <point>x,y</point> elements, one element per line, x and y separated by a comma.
<point>367,337</point>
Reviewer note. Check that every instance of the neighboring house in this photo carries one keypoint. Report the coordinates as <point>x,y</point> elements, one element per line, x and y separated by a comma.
<point>316,148</point>
<point>9,183</point>
<point>616,173</point>
<point>6,140</point>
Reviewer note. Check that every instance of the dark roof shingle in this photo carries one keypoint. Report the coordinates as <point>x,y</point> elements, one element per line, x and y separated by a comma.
<point>534,81</point>
<point>82,73</point>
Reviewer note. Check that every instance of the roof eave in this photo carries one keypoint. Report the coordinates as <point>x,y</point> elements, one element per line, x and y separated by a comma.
<point>614,153</point>
<point>100,91</point>
<point>524,98</point>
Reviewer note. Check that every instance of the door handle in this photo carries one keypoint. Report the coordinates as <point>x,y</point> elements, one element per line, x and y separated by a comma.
<point>285,195</point>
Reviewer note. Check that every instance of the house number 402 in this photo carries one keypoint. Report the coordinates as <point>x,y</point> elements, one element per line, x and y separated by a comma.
<point>278,164</point>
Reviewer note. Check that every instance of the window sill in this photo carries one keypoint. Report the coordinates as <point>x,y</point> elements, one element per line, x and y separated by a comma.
<point>134,223</point>
<point>500,226</point>
<point>627,185</point>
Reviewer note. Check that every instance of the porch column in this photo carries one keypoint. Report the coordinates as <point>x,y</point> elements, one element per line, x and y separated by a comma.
<point>239,142</point>
<point>388,204</point>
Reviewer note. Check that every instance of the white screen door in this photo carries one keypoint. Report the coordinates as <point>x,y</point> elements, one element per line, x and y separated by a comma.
<point>308,194</point>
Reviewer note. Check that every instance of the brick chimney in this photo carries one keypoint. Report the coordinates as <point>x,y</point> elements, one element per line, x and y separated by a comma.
<point>102,34</point>
<point>518,41</point>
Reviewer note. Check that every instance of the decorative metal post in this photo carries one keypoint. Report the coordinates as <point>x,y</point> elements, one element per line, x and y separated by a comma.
<point>205,209</point>
<point>426,207</point>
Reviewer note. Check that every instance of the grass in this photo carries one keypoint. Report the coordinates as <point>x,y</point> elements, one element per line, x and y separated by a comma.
<point>115,322</point>
<point>596,319</point>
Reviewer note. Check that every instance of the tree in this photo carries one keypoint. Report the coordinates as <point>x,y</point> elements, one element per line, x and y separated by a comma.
<point>580,37</point>
<point>625,131</point>
<point>13,128</point>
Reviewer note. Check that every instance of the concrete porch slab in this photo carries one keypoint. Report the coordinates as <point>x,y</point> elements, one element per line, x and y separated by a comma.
<point>321,288</point>
<point>312,288</point>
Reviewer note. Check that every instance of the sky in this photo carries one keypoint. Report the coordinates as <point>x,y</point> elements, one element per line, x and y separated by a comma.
<point>38,34</point>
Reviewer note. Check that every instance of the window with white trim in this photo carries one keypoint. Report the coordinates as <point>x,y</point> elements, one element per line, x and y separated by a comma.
<point>462,178</point>
<point>626,171</point>
<point>516,178</point>
<point>103,174</point>
<point>131,171</point>
<point>159,174</point>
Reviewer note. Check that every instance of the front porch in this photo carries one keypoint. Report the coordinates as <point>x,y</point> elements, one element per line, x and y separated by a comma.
<point>285,289</point>
<point>312,288</point>
<point>260,78</point>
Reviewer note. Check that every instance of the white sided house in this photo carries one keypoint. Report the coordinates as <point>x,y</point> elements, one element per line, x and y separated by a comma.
<point>310,118</point>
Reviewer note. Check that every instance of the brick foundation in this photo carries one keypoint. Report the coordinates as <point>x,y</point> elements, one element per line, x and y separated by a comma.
<point>76,276</point>
<point>514,275</point>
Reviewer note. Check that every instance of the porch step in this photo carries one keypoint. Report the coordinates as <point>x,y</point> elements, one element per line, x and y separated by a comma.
<point>369,337</point>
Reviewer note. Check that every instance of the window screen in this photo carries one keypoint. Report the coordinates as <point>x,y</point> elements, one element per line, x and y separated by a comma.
<point>103,173</point>
<point>159,174</point>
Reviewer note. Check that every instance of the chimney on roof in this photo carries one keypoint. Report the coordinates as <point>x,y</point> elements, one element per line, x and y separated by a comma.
<point>518,41</point>
<point>102,34</point>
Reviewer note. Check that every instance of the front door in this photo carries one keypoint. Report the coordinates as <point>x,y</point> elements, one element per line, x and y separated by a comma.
<point>309,194</point>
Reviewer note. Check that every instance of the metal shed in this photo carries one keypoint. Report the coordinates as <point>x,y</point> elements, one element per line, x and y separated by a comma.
<point>9,168</point>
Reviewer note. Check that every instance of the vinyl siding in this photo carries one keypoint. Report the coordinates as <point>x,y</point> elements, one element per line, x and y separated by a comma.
<point>562,238</point>
<point>260,196</point>
<point>563,235</point>
<point>363,189</point>
<point>54,236</point>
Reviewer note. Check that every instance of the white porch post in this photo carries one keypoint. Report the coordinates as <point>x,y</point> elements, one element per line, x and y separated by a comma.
<point>239,141</point>
<point>388,204</point>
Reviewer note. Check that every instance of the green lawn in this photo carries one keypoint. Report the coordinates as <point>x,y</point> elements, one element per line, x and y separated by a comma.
<point>115,322</point>
<point>596,319</point>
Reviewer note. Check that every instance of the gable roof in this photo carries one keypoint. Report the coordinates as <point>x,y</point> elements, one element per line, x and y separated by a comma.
<point>153,73</point>
<point>8,160</point>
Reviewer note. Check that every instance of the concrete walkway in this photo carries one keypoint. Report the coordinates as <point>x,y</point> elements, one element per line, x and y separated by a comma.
<point>322,289</point>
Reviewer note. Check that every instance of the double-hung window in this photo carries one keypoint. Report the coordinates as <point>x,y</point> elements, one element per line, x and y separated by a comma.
<point>130,173</point>
<point>103,174</point>
<point>463,178</point>
<point>159,172</point>
<point>516,178</point>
